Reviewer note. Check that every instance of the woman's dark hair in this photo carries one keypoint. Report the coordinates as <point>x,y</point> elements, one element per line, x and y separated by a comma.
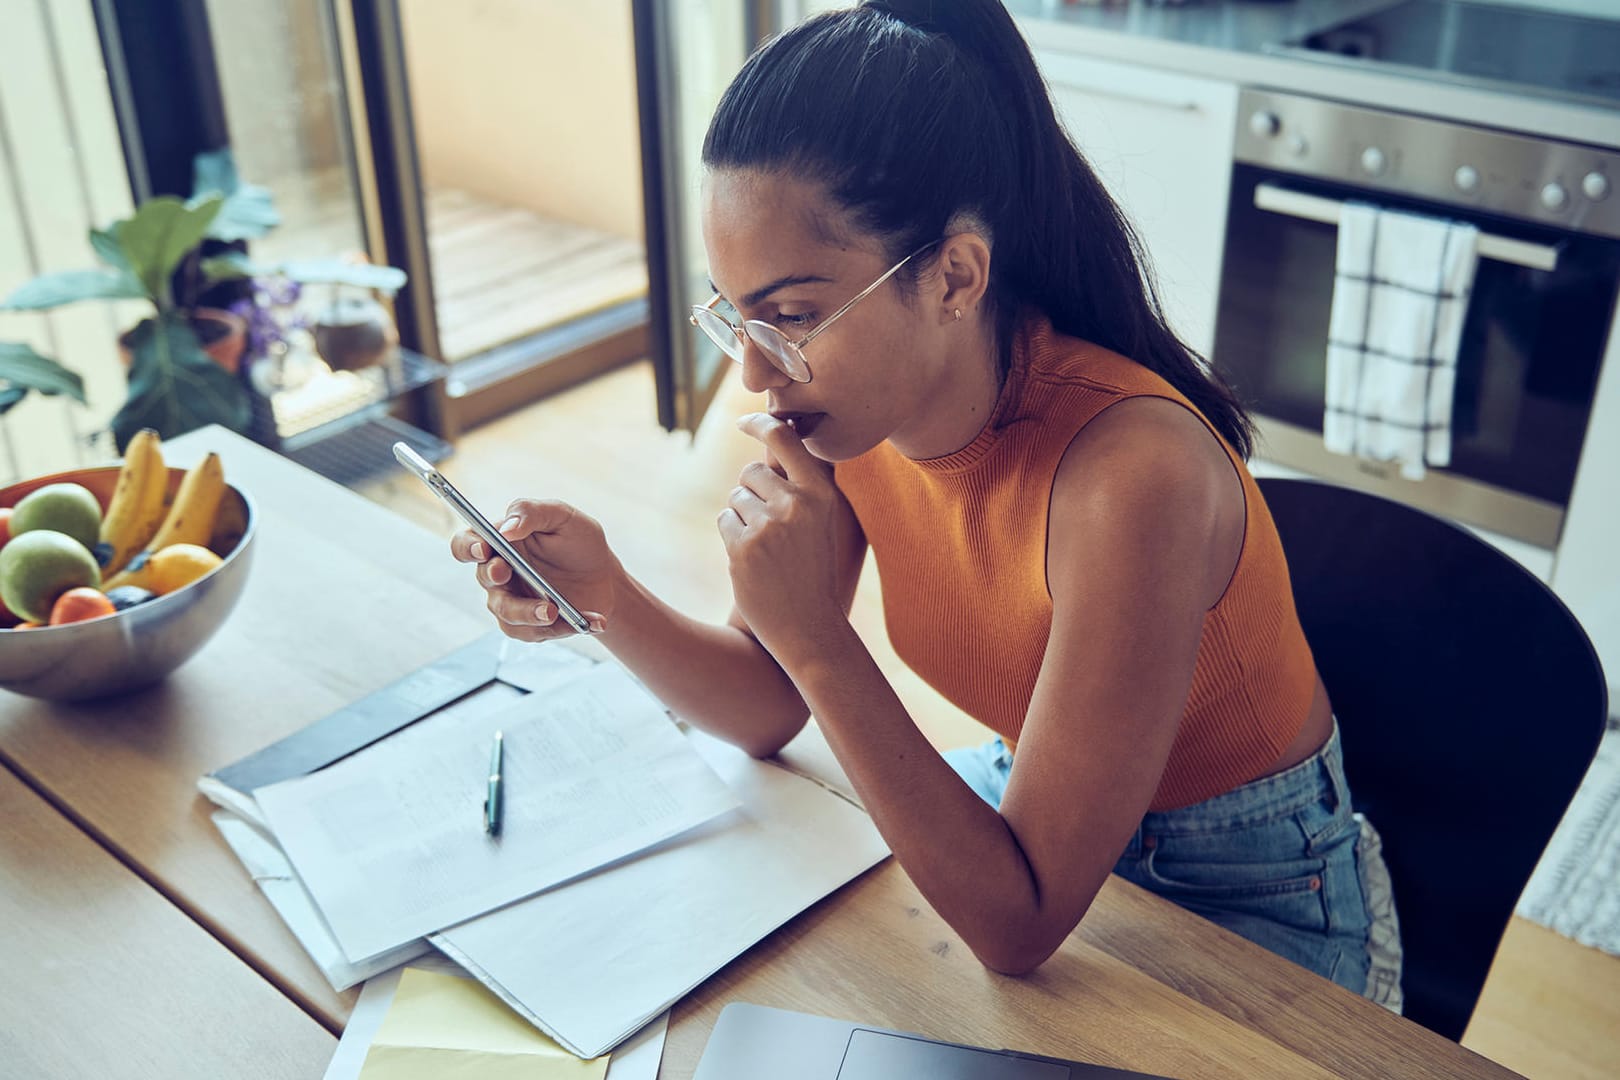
<point>912,112</point>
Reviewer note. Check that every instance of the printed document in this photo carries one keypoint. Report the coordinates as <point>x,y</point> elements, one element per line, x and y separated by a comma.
<point>591,963</point>
<point>390,842</point>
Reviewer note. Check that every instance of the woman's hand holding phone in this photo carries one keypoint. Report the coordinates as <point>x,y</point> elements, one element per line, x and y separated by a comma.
<point>566,547</point>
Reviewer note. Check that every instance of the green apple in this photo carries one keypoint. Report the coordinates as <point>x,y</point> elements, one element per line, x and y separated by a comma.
<point>63,508</point>
<point>41,565</point>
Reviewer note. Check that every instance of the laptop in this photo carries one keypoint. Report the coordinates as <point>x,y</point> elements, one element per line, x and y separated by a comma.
<point>752,1041</point>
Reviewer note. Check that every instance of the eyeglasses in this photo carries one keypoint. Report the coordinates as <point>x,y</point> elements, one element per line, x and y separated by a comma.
<point>787,355</point>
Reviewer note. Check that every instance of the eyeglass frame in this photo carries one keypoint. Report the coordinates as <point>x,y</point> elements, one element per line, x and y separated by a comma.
<point>796,346</point>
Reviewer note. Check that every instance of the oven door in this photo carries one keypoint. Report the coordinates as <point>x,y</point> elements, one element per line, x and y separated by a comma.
<point>1526,368</point>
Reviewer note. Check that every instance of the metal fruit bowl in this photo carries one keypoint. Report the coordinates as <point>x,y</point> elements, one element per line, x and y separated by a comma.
<point>140,645</point>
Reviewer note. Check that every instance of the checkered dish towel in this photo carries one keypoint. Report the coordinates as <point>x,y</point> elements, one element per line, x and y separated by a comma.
<point>1400,295</point>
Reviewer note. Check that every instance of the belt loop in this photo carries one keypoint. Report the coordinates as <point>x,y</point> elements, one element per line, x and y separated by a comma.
<point>1333,767</point>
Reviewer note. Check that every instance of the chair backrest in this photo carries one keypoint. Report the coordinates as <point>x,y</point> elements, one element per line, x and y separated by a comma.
<point>1470,704</point>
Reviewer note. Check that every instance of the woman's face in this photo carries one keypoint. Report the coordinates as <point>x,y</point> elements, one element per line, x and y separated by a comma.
<point>780,252</point>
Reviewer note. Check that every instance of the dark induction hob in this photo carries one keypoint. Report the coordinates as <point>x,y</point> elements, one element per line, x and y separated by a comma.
<point>1507,48</point>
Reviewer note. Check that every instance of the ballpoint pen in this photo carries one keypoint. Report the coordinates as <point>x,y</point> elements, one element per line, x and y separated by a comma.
<point>492,798</point>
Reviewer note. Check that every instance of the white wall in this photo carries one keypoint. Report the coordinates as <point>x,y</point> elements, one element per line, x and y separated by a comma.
<point>530,103</point>
<point>1602,9</point>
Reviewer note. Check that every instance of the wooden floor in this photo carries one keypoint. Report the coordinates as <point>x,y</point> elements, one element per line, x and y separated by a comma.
<point>500,273</point>
<point>1551,1008</point>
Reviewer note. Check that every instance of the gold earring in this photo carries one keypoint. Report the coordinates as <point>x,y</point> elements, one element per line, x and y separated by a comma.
<point>958,313</point>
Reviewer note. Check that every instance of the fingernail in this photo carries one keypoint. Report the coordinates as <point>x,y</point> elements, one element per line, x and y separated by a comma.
<point>596,624</point>
<point>510,522</point>
<point>542,612</point>
<point>478,551</point>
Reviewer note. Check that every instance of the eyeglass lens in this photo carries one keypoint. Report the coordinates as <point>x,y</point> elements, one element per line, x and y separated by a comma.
<point>775,345</point>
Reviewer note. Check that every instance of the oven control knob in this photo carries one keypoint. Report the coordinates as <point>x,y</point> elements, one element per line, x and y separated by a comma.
<point>1265,124</point>
<point>1373,162</point>
<point>1466,178</point>
<point>1554,197</point>
<point>1596,186</point>
<point>1297,145</point>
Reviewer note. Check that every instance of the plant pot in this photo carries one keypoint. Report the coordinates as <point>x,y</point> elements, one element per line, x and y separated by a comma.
<point>354,333</point>
<point>222,335</point>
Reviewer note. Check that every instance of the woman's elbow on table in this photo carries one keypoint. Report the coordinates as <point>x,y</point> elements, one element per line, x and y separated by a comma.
<point>766,741</point>
<point>1014,958</point>
<point>1017,950</point>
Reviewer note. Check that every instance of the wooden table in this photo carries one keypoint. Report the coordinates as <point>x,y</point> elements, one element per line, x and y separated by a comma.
<point>104,977</point>
<point>345,597</point>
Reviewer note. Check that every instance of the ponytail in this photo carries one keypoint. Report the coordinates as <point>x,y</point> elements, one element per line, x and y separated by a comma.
<point>915,112</point>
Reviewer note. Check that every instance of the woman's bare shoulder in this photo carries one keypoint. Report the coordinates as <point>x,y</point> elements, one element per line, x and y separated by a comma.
<point>1152,468</point>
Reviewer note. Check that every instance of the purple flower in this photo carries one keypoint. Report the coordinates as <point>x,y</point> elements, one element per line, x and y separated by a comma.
<point>270,314</point>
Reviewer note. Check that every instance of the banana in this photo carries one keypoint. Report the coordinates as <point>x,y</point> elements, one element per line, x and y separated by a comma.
<point>190,519</point>
<point>139,503</point>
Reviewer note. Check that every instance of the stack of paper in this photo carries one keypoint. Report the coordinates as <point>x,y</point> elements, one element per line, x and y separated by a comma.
<point>390,842</point>
<point>636,861</point>
<point>429,1021</point>
<point>636,937</point>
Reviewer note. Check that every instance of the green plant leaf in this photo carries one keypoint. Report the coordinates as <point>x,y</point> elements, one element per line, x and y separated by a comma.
<point>174,386</point>
<point>231,266</point>
<point>70,286</point>
<point>337,272</point>
<point>162,232</point>
<point>110,248</point>
<point>247,213</point>
<point>23,369</point>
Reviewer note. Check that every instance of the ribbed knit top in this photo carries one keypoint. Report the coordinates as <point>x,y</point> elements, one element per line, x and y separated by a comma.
<point>974,523</point>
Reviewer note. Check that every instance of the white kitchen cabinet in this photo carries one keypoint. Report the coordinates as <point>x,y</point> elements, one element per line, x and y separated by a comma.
<point>1162,144</point>
<point>1586,571</point>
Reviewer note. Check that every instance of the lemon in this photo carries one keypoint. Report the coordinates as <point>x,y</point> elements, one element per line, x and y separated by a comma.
<point>177,566</point>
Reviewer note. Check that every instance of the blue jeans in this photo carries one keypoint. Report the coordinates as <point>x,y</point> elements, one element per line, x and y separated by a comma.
<point>1273,860</point>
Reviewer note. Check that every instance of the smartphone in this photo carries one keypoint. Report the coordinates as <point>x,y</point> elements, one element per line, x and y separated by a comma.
<point>499,544</point>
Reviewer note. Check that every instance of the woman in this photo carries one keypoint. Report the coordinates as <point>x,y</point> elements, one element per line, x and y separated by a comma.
<point>967,371</point>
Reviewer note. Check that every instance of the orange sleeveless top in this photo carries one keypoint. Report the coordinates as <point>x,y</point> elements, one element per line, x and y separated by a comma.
<point>978,518</point>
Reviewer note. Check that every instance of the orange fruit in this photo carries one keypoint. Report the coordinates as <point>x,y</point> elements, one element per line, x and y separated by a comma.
<point>77,605</point>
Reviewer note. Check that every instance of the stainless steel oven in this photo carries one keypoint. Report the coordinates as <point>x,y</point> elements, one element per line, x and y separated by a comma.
<point>1537,325</point>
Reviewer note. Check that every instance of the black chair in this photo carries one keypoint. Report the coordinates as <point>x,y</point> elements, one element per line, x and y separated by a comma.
<point>1470,704</point>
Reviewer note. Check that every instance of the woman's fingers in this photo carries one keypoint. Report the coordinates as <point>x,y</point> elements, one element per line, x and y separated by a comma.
<point>525,517</point>
<point>493,573</point>
<point>528,619</point>
<point>466,547</point>
<point>748,505</point>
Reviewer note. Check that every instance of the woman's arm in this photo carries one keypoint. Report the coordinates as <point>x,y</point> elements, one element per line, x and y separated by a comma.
<point>717,677</point>
<point>1141,543</point>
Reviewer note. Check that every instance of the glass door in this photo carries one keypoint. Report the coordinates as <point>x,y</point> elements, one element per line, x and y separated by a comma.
<point>687,51</point>
<point>494,154</point>
<point>524,123</point>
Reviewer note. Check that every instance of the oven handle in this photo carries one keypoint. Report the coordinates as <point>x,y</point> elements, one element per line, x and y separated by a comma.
<point>1280,200</point>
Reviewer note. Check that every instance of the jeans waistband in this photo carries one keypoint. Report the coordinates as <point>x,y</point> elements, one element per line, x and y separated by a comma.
<point>1318,776</point>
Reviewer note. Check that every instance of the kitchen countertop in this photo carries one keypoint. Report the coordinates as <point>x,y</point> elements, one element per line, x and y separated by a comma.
<point>1231,41</point>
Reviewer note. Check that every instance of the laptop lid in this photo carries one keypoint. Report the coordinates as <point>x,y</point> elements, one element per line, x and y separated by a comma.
<point>750,1041</point>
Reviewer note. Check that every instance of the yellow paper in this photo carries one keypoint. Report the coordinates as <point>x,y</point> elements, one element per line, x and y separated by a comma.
<point>444,1026</point>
